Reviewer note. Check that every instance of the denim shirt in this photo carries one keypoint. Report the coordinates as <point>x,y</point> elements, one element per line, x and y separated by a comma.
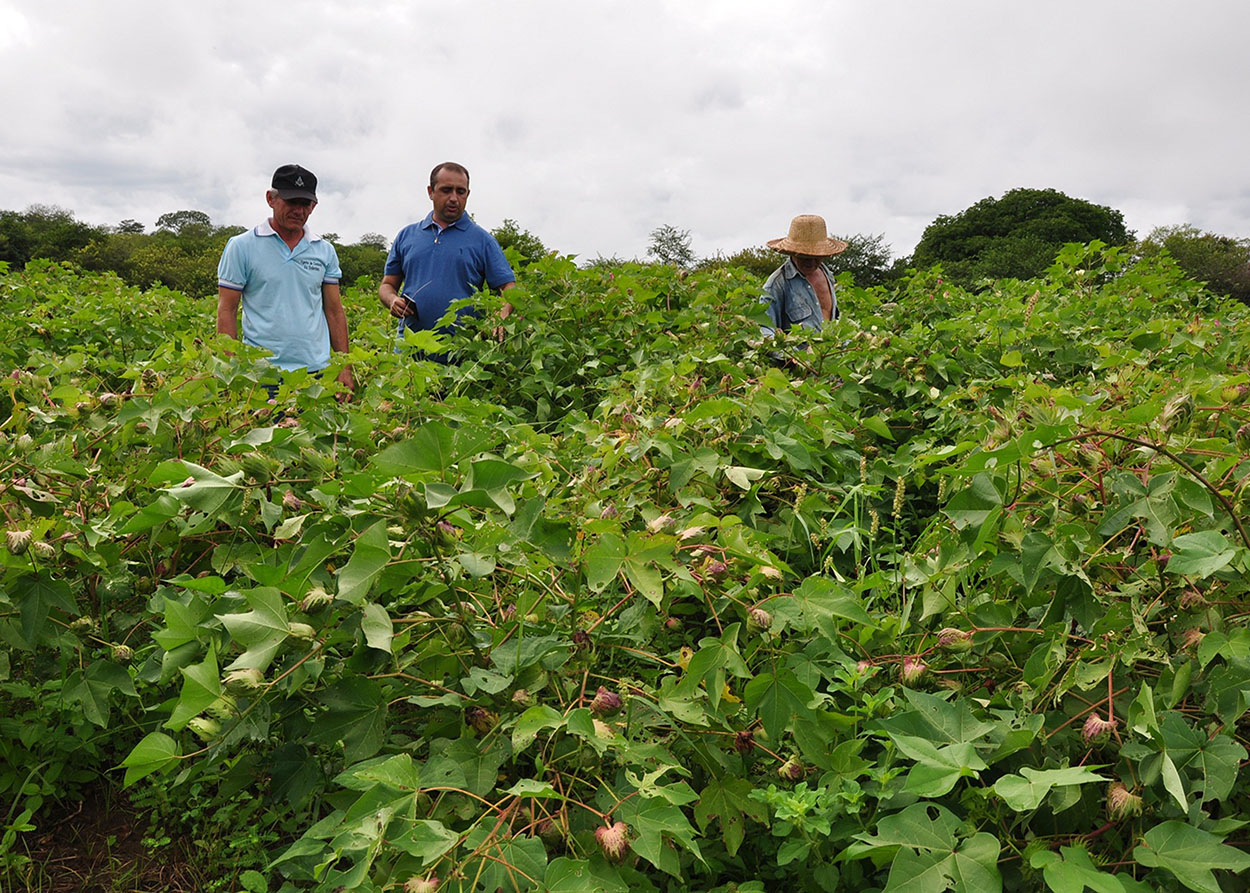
<point>793,301</point>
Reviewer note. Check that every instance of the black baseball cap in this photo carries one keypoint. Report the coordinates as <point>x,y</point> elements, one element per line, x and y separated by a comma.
<point>292,181</point>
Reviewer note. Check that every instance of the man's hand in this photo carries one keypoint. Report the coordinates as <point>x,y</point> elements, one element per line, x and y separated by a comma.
<point>401,307</point>
<point>504,312</point>
<point>347,381</point>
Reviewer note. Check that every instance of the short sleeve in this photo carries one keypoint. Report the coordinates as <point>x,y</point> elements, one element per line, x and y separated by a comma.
<point>232,268</point>
<point>333,271</point>
<point>498,270</point>
<point>395,258</point>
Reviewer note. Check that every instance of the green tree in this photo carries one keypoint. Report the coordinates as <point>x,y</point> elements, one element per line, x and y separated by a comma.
<point>184,222</point>
<point>866,258</point>
<point>44,231</point>
<point>759,261</point>
<point>510,234</point>
<point>130,225</point>
<point>184,260</point>
<point>365,259</point>
<point>1223,263</point>
<point>670,245</point>
<point>1016,236</point>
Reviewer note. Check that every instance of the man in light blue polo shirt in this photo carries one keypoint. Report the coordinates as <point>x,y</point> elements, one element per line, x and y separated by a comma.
<point>444,258</point>
<point>287,279</point>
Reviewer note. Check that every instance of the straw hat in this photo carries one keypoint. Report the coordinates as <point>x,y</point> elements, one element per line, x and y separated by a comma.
<point>808,236</point>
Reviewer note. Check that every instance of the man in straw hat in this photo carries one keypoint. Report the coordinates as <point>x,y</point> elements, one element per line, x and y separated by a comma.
<point>801,290</point>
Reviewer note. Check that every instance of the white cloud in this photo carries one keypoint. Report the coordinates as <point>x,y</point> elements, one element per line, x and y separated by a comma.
<point>592,124</point>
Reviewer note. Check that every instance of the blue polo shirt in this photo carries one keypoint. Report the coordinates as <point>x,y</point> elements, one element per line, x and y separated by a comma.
<point>281,286</point>
<point>439,267</point>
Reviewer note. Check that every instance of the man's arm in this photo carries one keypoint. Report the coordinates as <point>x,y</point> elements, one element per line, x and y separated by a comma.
<point>336,319</point>
<point>506,310</point>
<point>774,295</point>
<point>391,299</point>
<point>228,311</point>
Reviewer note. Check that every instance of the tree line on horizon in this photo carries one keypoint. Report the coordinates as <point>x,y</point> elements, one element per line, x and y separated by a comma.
<point>1015,236</point>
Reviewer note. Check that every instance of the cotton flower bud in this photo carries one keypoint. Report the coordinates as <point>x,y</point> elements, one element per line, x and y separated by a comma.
<point>1089,458</point>
<point>581,640</point>
<point>123,653</point>
<point>957,640</point>
<point>448,530</point>
<point>759,619</point>
<point>1243,437</point>
<point>416,884</point>
<point>605,703</point>
<point>1097,730</point>
<point>790,770</point>
<point>82,624</point>
<point>770,572</point>
<point>673,624</point>
<point>314,600</point>
<point>1192,600</point>
<point>744,742</point>
<point>302,631</point>
<point>715,568</point>
<point>17,541</point>
<point>223,707</point>
<point>481,720</point>
<point>609,511</point>
<point>43,549</point>
<point>247,677</point>
<point>1177,412</point>
<point>614,841</point>
<point>25,443</point>
<point>1192,638</point>
<point>660,522</point>
<point>108,399</point>
<point>204,727</point>
<point>912,670</point>
<point>689,533</point>
<point>1121,802</point>
<point>291,502</point>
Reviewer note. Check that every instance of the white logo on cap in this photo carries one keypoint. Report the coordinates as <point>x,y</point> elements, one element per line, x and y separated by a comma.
<point>299,181</point>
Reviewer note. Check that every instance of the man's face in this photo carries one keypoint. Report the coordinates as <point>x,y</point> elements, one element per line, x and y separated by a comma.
<point>806,263</point>
<point>290,215</point>
<point>449,193</point>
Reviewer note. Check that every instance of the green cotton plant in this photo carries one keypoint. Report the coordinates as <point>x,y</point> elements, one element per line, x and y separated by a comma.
<point>955,599</point>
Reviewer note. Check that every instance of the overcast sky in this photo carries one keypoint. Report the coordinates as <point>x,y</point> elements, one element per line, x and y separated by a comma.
<point>592,123</point>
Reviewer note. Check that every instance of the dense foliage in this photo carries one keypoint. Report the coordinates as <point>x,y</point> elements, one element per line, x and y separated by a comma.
<point>1223,263</point>
<point>1015,236</point>
<point>181,254</point>
<point>951,596</point>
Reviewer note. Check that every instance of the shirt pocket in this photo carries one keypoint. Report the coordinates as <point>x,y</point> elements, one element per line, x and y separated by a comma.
<point>800,312</point>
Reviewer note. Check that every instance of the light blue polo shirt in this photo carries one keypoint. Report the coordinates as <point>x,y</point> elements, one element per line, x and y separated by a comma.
<point>282,309</point>
<point>441,266</point>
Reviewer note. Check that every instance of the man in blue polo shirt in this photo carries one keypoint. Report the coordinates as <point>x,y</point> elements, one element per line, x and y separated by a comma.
<point>287,279</point>
<point>444,258</point>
